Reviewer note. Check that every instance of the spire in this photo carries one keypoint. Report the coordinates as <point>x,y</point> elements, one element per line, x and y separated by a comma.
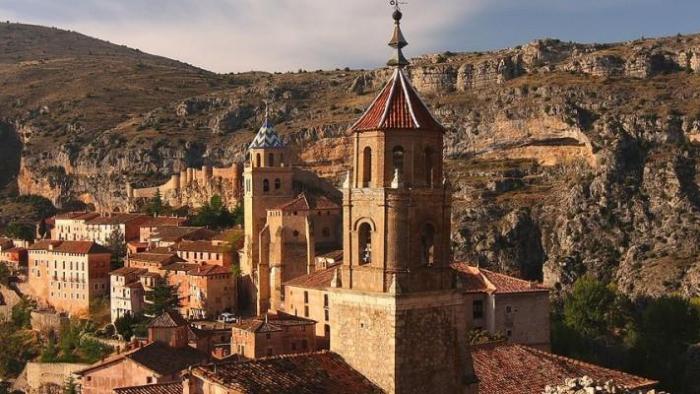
<point>267,137</point>
<point>398,42</point>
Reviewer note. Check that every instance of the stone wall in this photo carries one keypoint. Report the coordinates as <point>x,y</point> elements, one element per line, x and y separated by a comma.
<point>45,321</point>
<point>44,377</point>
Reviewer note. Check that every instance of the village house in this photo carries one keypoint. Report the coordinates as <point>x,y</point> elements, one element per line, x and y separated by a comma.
<point>103,228</point>
<point>126,292</point>
<point>150,225</point>
<point>211,336</point>
<point>273,335</point>
<point>68,275</point>
<point>71,226</point>
<point>320,372</point>
<point>161,360</point>
<point>15,258</point>
<point>166,236</point>
<point>204,252</point>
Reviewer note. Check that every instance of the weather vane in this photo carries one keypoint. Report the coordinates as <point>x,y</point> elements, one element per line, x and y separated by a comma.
<point>397,4</point>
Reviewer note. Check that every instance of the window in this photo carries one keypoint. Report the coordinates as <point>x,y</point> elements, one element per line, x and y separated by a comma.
<point>326,315</point>
<point>428,244</point>
<point>429,167</point>
<point>478,309</point>
<point>271,160</point>
<point>365,240</point>
<point>327,330</point>
<point>266,185</point>
<point>325,300</point>
<point>366,167</point>
<point>306,311</point>
<point>257,160</point>
<point>397,158</point>
<point>278,183</point>
<point>509,333</point>
<point>306,297</point>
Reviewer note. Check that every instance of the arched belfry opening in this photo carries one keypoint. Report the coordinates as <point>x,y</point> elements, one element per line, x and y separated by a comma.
<point>427,242</point>
<point>397,157</point>
<point>366,167</point>
<point>429,166</point>
<point>365,243</point>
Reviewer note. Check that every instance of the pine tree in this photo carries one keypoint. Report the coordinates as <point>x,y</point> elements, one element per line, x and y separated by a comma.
<point>117,244</point>
<point>163,297</point>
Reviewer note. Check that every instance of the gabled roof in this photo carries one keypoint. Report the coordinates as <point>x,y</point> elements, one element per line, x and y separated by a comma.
<point>161,258</point>
<point>267,137</point>
<point>200,246</point>
<point>124,271</point>
<point>77,216</point>
<point>168,319</point>
<point>476,280</point>
<point>504,368</point>
<point>304,202</point>
<point>316,280</point>
<point>158,388</point>
<point>116,218</point>
<point>208,270</point>
<point>73,247</point>
<point>178,233</point>
<point>398,106</point>
<point>272,322</point>
<point>311,373</point>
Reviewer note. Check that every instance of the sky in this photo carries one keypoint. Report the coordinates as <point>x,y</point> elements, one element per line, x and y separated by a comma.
<point>283,35</point>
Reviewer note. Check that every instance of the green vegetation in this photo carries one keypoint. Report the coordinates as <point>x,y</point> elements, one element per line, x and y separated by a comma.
<point>117,244</point>
<point>156,206</point>
<point>70,386</point>
<point>597,323</point>
<point>74,345</point>
<point>215,215</point>
<point>18,344</point>
<point>163,297</point>
<point>21,231</point>
<point>42,206</point>
<point>129,326</point>
<point>4,275</point>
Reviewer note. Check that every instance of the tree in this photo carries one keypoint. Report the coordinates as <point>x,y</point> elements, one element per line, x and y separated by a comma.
<point>156,206</point>
<point>666,328</point>
<point>589,309</point>
<point>21,231</point>
<point>117,244</point>
<point>163,297</point>
<point>128,325</point>
<point>214,214</point>
<point>70,386</point>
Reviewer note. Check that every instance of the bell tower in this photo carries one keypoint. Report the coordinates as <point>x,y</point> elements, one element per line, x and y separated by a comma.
<point>396,315</point>
<point>268,183</point>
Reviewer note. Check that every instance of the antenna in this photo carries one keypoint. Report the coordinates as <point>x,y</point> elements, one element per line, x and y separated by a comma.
<point>397,4</point>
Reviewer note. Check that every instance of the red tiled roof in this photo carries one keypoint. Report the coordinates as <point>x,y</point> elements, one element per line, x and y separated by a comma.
<point>159,388</point>
<point>516,369</point>
<point>74,247</point>
<point>200,246</point>
<point>185,267</point>
<point>315,280</point>
<point>176,234</point>
<point>398,106</point>
<point>273,322</point>
<point>305,203</point>
<point>476,279</point>
<point>164,221</point>
<point>116,218</point>
<point>151,257</point>
<point>209,269</point>
<point>77,216</point>
<point>311,373</point>
<point>123,271</point>
<point>168,319</point>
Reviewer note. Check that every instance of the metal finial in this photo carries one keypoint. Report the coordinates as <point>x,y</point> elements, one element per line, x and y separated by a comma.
<point>398,42</point>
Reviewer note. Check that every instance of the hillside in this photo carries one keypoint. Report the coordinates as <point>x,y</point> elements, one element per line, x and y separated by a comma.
<point>565,158</point>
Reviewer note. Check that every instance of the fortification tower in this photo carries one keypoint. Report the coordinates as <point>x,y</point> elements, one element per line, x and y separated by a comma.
<point>396,315</point>
<point>268,178</point>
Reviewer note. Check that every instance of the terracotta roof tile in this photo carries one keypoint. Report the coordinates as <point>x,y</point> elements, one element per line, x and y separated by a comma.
<point>168,319</point>
<point>273,322</point>
<point>164,221</point>
<point>304,202</point>
<point>476,279</point>
<point>209,269</point>
<point>315,280</point>
<point>73,247</point>
<point>516,369</point>
<point>77,216</point>
<point>200,246</point>
<point>124,271</point>
<point>116,218</point>
<point>151,257</point>
<point>160,388</point>
<point>312,373</point>
<point>176,234</point>
<point>398,106</point>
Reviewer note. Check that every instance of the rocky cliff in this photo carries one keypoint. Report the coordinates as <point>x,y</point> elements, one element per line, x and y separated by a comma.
<point>566,158</point>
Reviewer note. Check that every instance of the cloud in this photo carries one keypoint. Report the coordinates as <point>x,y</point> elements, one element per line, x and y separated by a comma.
<point>280,35</point>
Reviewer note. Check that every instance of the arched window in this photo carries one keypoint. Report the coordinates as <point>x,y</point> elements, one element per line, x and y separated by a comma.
<point>271,160</point>
<point>366,166</point>
<point>427,241</point>
<point>278,184</point>
<point>397,158</point>
<point>257,160</point>
<point>365,239</point>
<point>429,167</point>
<point>266,185</point>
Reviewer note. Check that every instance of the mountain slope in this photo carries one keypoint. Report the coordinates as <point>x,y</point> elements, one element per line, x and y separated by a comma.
<point>565,158</point>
